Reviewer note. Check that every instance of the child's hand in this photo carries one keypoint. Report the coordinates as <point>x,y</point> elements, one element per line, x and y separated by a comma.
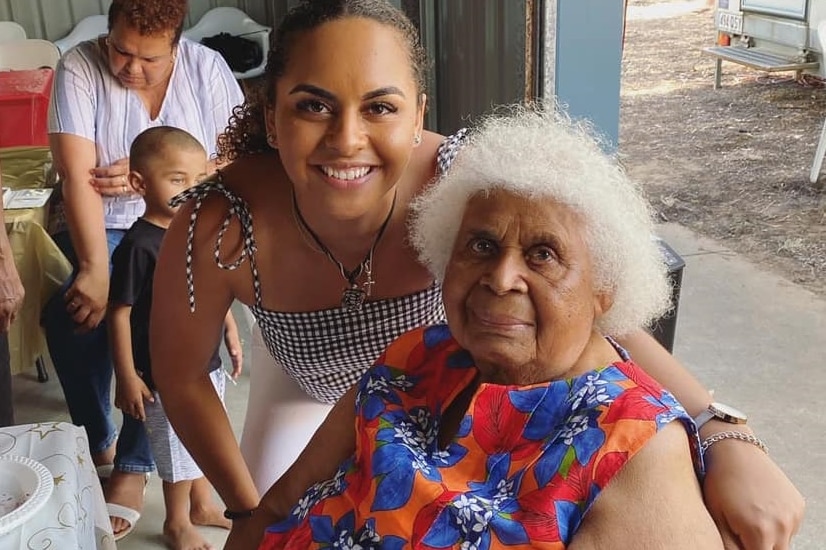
<point>129,396</point>
<point>232,341</point>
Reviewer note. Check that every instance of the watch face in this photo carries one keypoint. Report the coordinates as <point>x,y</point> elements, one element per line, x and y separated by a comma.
<point>726,410</point>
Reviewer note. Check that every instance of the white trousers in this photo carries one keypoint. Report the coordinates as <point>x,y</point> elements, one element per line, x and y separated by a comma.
<point>280,417</point>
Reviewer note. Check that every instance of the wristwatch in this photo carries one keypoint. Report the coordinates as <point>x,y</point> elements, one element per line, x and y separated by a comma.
<point>720,412</point>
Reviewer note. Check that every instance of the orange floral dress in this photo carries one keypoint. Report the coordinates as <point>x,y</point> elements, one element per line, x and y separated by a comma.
<point>524,468</point>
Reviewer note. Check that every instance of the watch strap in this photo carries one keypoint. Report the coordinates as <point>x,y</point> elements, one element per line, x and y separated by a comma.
<point>701,419</point>
<point>720,412</point>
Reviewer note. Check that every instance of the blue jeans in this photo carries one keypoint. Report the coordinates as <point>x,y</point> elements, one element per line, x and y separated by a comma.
<point>84,367</point>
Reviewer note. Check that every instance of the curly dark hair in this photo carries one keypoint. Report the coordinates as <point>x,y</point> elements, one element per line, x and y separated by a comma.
<point>246,133</point>
<point>151,17</point>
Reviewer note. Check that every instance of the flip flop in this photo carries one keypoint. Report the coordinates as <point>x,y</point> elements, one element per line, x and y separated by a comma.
<point>129,515</point>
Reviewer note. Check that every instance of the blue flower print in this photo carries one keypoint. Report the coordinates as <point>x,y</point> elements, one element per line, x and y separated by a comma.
<point>594,389</point>
<point>569,516</point>
<point>460,359</point>
<point>488,506</point>
<point>538,401</point>
<point>380,387</point>
<point>407,444</point>
<point>344,536</point>
<point>577,441</point>
<point>368,538</point>
<point>435,335</point>
<point>323,489</point>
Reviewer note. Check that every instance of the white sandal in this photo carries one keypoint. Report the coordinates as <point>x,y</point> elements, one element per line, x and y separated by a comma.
<point>129,515</point>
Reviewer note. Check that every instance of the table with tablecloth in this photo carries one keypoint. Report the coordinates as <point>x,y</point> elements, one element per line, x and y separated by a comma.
<point>42,266</point>
<point>74,516</point>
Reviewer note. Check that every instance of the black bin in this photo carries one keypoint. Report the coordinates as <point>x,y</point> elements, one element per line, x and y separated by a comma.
<point>664,328</point>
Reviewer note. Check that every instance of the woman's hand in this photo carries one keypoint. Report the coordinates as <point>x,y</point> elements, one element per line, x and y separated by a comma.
<point>87,297</point>
<point>11,291</point>
<point>233,343</point>
<point>246,534</point>
<point>112,180</point>
<point>235,351</point>
<point>752,501</point>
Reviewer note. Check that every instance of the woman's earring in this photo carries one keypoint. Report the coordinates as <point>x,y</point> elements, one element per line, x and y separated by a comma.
<point>417,139</point>
<point>271,141</point>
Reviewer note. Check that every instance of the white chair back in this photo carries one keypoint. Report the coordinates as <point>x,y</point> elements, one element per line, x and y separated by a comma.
<point>11,31</point>
<point>31,53</point>
<point>236,23</point>
<point>86,29</point>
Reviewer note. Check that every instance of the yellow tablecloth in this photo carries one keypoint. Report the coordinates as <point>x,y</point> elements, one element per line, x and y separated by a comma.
<point>42,266</point>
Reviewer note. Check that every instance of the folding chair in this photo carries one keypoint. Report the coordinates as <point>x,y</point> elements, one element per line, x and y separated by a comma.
<point>31,53</point>
<point>11,31</point>
<point>87,28</point>
<point>236,23</point>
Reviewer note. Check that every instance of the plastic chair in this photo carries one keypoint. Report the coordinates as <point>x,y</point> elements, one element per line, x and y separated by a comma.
<point>237,23</point>
<point>86,29</point>
<point>11,31</point>
<point>31,53</point>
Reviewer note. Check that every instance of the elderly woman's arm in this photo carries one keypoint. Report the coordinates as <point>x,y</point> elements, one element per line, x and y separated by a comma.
<point>751,499</point>
<point>653,502</point>
<point>11,289</point>
<point>74,158</point>
<point>332,443</point>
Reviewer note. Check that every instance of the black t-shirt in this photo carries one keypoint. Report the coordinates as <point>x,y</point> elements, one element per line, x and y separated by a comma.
<point>133,267</point>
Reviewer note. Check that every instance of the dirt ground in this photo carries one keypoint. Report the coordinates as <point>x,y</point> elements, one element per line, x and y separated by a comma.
<point>732,164</point>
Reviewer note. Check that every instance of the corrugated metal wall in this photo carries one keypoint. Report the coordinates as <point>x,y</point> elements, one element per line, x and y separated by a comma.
<point>480,53</point>
<point>53,19</point>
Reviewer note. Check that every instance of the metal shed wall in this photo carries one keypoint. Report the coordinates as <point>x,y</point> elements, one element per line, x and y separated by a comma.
<point>53,19</point>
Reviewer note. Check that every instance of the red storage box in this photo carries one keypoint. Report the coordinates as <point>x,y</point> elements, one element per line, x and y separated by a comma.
<point>24,107</point>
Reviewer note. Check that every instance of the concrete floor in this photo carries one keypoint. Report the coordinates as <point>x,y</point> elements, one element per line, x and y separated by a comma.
<point>753,337</point>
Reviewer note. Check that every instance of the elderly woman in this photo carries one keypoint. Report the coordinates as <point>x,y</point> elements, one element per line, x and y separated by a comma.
<point>521,423</point>
<point>106,92</point>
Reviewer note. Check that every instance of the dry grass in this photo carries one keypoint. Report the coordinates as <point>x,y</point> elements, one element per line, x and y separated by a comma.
<point>731,164</point>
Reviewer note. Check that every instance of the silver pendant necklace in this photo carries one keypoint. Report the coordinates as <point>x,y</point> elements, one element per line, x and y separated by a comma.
<point>355,294</point>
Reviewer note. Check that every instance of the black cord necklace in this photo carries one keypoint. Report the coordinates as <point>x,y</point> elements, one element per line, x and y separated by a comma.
<point>352,297</point>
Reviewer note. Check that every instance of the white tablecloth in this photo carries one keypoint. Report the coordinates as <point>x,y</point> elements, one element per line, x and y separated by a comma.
<point>75,516</point>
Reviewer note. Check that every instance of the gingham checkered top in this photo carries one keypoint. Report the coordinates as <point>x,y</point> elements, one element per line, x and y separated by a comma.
<point>325,351</point>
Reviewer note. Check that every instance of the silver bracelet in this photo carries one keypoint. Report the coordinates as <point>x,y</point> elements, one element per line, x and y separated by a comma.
<point>720,436</point>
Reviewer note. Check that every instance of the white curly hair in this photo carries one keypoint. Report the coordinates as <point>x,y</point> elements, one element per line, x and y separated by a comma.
<point>540,153</point>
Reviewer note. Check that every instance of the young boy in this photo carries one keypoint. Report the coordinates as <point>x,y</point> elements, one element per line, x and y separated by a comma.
<point>163,162</point>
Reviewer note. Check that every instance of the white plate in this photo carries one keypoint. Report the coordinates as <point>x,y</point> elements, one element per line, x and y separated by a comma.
<point>25,486</point>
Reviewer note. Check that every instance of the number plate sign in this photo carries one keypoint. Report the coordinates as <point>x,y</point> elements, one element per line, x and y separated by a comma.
<point>730,22</point>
